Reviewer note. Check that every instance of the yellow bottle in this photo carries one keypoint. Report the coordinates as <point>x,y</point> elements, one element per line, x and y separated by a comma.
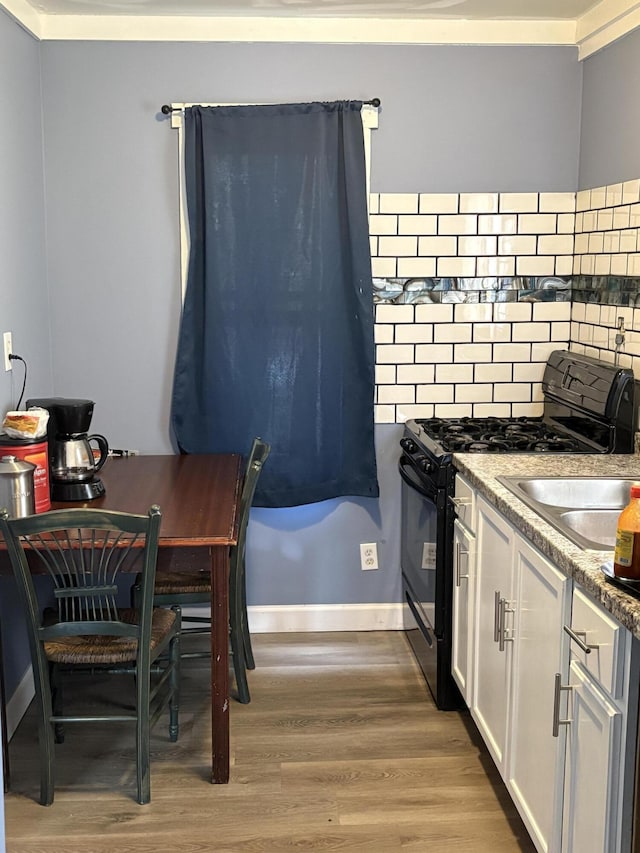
<point>626,560</point>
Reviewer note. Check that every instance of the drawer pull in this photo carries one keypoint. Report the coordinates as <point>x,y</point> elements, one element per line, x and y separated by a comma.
<point>497,615</point>
<point>577,636</point>
<point>503,629</point>
<point>459,552</point>
<point>557,722</point>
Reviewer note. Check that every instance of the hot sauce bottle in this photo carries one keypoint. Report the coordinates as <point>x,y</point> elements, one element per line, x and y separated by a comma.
<point>626,560</point>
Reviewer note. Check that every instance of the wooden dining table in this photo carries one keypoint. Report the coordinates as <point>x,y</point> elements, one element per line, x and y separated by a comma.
<point>199,496</point>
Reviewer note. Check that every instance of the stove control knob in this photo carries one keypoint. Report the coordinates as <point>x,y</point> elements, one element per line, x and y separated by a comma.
<point>426,465</point>
<point>408,445</point>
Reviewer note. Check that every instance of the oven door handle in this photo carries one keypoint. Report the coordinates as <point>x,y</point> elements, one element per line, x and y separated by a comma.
<point>408,475</point>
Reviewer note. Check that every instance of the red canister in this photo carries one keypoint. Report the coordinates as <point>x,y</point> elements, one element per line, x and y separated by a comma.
<point>37,453</point>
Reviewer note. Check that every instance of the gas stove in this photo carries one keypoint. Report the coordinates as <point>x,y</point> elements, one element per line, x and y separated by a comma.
<point>589,407</point>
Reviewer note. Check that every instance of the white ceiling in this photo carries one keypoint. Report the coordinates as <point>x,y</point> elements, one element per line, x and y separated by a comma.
<point>587,24</point>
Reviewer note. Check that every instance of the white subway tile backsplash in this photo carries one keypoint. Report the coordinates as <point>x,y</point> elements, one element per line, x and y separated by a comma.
<point>518,202</point>
<point>394,314</point>
<point>596,242</point>
<point>416,374</point>
<point>383,224</point>
<point>502,223</point>
<point>453,410</point>
<point>384,267</point>
<point>439,203</point>
<point>416,267</point>
<point>395,354</point>
<point>611,242</point>
<point>564,265</point>
<point>434,313</point>
<point>555,244</point>
<point>628,240</point>
<point>478,202</point>
<point>537,265</point>
<point>589,221</point>
<point>512,312</point>
<point>512,392</point>
<point>602,265</point>
<point>388,394</point>
<point>529,332</point>
<point>374,203</point>
<point>397,246</point>
<point>517,245</point>
<point>398,203</point>
<point>592,313</point>
<point>527,410</point>
<point>531,372</point>
<point>386,374</point>
<point>493,372</point>
<point>438,246</point>
<point>491,332</point>
<point>446,333</point>
<point>435,394</point>
<point>621,217</point>
<point>604,219</point>
<point>491,410</point>
<point>384,414</point>
<point>552,311</point>
<point>417,224</point>
<point>566,223</point>
<point>434,354</point>
<point>415,333</point>
<point>613,195</point>
<point>583,200</point>
<point>404,412</point>
<point>383,333</point>
<point>557,202</point>
<point>477,245</point>
<point>512,352</point>
<point>454,373</point>
<point>598,198</point>
<point>474,393</point>
<point>561,331</point>
<point>496,267</point>
<point>473,313</point>
<point>459,224</point>
<point>472,353</point>
<point>631,192</point>
<point>542,351</point>
<point>537,223</point>
<point>456,267</point>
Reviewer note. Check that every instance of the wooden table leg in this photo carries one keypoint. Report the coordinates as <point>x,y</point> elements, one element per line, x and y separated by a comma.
<point>220,665</point>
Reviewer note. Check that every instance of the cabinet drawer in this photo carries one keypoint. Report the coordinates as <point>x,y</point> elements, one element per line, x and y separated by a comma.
<point>607,640</point>
<point>465,503</point>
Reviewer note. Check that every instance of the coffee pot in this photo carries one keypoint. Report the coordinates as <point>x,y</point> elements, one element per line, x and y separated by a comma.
<point>73,460</point>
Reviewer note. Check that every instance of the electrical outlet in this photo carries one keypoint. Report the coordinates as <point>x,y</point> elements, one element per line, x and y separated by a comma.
<point>368,556</point>
<point>8,349</point>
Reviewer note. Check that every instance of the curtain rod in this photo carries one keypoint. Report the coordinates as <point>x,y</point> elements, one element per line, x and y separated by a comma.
<point>166,109</point>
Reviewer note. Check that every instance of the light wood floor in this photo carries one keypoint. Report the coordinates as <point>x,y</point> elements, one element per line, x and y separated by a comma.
<point>341,749</point>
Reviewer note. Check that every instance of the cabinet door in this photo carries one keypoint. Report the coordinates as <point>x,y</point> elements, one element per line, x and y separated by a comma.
<point>463,561</point>
<point>591,787</point>
<point>493,627</point>
<point>541,649</point>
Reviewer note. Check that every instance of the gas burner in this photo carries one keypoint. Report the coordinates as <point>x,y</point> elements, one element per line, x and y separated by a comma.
<point>490,445</point>
<point>554,444</point>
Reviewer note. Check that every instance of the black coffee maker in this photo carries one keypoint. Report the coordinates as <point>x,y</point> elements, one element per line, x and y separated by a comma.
<point>72,462</point>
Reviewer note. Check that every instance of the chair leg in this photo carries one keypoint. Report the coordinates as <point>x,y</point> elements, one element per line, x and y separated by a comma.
<point>236,639</point>
<point>174,683</point>
<point>143,772</point>
<point>246,636</point>
<point>44,706</point>
<point>57,703</point>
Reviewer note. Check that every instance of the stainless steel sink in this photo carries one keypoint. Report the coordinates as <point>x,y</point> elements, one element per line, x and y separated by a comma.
<point>584,509</point>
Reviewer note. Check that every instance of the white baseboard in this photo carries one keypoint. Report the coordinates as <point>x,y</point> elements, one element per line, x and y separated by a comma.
<point>19,702</point>
<point>280,619</point>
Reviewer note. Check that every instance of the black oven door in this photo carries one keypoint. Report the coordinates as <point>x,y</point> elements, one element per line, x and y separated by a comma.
<point>423,544</point>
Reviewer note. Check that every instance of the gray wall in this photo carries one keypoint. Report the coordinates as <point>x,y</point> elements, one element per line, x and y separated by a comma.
<point>610,134</point>
<point>24,302</point>
<point>452,119</point>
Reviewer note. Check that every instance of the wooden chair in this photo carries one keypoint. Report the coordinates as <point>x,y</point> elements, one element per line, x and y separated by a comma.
<point>88,554</point>
<point>184,588</point>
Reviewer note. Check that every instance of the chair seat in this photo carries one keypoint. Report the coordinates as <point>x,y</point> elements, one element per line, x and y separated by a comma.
<point>182,583</point>
<point>99,649</point>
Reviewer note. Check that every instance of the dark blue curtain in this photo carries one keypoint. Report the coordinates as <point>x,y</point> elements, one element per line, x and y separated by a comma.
<point>276,336</point>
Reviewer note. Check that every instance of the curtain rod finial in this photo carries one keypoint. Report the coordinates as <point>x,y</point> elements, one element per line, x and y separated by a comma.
<point>166,110</point>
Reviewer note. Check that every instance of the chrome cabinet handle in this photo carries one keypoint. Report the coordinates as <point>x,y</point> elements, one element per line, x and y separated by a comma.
<point>557,722</point>
<point>576,636</point>
<point>497,615</point>
<point>503,629</point>
<point>459,552</point>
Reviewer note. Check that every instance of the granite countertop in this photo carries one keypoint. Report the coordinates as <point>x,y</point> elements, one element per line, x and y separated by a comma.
<point>481,470</point>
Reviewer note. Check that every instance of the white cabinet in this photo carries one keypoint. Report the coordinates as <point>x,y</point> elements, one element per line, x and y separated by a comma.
<point>546,672</point>
<point>492,640</point>
<point>599,766</point>
<point>540,650</point>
